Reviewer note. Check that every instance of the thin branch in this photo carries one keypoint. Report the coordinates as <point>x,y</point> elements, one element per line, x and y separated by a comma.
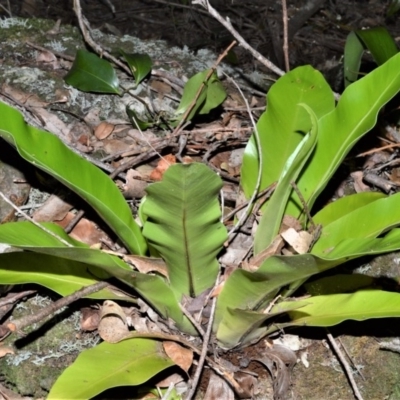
<point>203,355</point>
<point>285,35</point>
<point>246,213</point>
<point>21,323</point>
<point>228,25</point>
<point>345,365</point>
<point>192,320</point>
<point>85,29</point>
<point>25,215</point>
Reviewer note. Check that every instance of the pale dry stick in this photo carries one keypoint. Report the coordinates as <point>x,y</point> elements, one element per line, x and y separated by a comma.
<point>25,215</point>
<point>21,323</point>
<point>268,190</point>
<point>192,320</point>
<point>245,214</point>
<point>372,151</point>
<point>85,29</point>
<point>228,25</point>
<point>202,359</point>
<point>345,365</point>
<point>285,46</point>
<point>56,53</point>
<point>183,121</point>
<point>304,204</point>
<point>5,9</point>
<point>350,358</point>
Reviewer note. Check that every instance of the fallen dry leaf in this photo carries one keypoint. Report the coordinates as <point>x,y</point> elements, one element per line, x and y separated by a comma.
<point>134,186</point>
<point>5,350</point>
<point>218,389</point>
<point>300,241</point>
<point>146,264</point>
<point>53,209</point>
<point>90,318</point>
<point>359,185</point>
<point>103,130</point>
<point>85,231</point>
<point>113,326</point>
<point>180,355</point>
<point>162,166</point>
<point>49,59</point>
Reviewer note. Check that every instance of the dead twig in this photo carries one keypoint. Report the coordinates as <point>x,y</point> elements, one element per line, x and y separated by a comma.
<point>246,213</point>
<point>25,215</point>
<point>285,35</point>
<point>85,29</point>
<point>192,320</point>
<point>56,53</point>
<point>21,323</point>
<point>228,25</point>
<point>203,355</point>
<point>345,365</point>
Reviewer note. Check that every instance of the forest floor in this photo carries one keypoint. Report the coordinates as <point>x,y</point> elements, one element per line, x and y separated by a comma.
<point>317,38</point>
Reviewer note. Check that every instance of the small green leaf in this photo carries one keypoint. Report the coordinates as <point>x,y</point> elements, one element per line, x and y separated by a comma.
<point>379,42</point>
<point>47,152</point>
<point>211,96</point>
<point>131,362</point>
<point>353,51</point>
<point>91,73</point>
<point>140,65</point>
<point>183,225</point>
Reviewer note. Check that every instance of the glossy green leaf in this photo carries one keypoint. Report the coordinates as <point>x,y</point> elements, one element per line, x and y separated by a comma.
<point>183,225</point>
<point>367,221</point>
<point>140,65</point>
<point>62,276</point>
<point>339,208</point>
<point>212,95</point>
<point>152,288</point>
<point>253,291</point>
<point>48,153</point>
<point>377,40</point>
<point>131,362</point>
<point>353,51</point>
<point>333,309</point>
<point>284,123</point>
<point>91,73</point>
<point>339,130</point>
<point>272,216</point>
